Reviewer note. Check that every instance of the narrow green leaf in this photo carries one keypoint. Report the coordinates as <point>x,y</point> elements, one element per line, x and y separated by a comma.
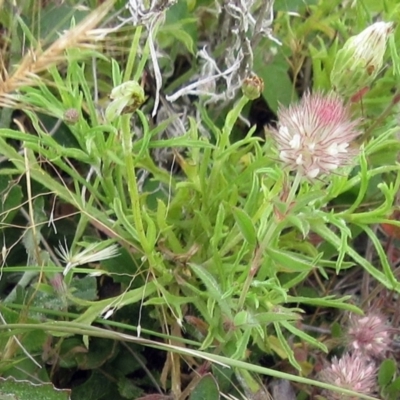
<point>218,228</point>
<point>301,334</point>
<point>182,141</point>
<point>328,301</point>
<point>387,269</point>
<point>213,288</point>
<point>300,223</point>
<point>180,34</point>
<point>124,220</point>
<point>116,73</point>
<point>331,237</point>
<point>98,308</point>
<point>242,344</point>
<point>286,347</point>
<point>243,318</point>
<point>364,183</point>
<point>151,232</point>
<point>252,198</point>
<point>291,262</point>
<point>245,225</point>
<point>147,134</point>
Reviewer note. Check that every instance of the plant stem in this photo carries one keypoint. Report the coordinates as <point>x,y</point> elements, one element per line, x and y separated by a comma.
<point>256,262</point>
<point>132,182</point>
<point>266,241</point>
<point>230,121</point>
<point>293,189</point>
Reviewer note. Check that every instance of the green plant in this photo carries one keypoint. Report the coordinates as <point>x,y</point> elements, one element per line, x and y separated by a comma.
<point>210,247</point>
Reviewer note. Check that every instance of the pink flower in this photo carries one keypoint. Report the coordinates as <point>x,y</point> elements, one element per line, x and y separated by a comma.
<point>352,372</point>
<point>313,136</point>
<point>370,335</point>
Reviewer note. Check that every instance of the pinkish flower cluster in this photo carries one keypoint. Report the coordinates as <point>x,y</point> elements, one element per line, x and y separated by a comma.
<point>370,335</point>
<point>351,372</point>
<point>314,136</point>
<point>368,338</point>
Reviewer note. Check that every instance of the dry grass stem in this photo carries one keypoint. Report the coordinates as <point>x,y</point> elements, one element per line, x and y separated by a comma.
<point>82,36</point>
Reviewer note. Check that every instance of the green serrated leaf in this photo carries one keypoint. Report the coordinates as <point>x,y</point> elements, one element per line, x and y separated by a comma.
<point>24,390</point>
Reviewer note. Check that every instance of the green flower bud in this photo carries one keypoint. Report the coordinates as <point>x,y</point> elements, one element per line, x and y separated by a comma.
<point>126,98</point>
<point>360,60</point>
<point>71,116</point>
<point>253,87</point>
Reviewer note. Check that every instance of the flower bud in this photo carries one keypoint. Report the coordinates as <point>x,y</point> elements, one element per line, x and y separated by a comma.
<point>253,87</point>
<point>126,98</point>
<point>71,116</point>
<point>360,60</point>
<point>58,284</point>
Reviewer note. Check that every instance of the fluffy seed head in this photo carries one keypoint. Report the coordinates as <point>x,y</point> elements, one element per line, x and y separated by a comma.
<point>313,136</point>
<point>353,372</point>
<point>370,335</point>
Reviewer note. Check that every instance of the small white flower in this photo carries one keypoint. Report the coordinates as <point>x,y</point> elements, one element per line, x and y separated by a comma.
<point>92,253</point>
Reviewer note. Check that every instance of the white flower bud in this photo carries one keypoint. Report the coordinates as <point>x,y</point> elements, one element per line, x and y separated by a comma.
<point>361,59</point>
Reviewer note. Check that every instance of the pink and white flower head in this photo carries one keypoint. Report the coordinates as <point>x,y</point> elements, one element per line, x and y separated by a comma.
<point>352,372</point>
<point>314,136</point>
<point>370,335</point>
